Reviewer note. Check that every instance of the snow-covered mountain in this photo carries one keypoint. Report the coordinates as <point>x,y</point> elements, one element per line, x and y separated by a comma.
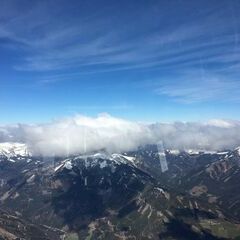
<point>12,149</point>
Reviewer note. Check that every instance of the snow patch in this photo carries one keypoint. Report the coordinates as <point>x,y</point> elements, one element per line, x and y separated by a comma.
<point>68,165</point>
<point>103,164</point>
<point>238,150</point>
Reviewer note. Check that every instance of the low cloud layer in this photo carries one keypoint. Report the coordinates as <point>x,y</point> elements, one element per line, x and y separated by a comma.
<point>81,134</point>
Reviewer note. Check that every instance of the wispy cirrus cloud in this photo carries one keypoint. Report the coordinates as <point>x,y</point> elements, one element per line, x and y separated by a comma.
<point>195,49</point>
<point>200,86</point>
<point>56,39</point>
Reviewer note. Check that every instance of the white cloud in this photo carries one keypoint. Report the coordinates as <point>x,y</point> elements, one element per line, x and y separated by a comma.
<point>81,134</point>
<point>221,123</point>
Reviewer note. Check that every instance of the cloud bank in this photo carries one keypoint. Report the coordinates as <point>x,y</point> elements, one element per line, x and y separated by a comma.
<point>82,134</point>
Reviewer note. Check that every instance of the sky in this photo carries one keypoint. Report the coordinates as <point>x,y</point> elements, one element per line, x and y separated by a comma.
<point>146,61</point>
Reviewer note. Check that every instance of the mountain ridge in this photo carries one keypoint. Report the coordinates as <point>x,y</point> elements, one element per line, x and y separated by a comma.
<point>123,196</point>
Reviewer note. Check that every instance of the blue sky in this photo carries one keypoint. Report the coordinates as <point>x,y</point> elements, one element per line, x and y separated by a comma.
<point>140,60</point>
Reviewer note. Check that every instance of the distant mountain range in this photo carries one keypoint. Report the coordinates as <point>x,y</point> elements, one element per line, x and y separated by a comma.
<point>120,196</point>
